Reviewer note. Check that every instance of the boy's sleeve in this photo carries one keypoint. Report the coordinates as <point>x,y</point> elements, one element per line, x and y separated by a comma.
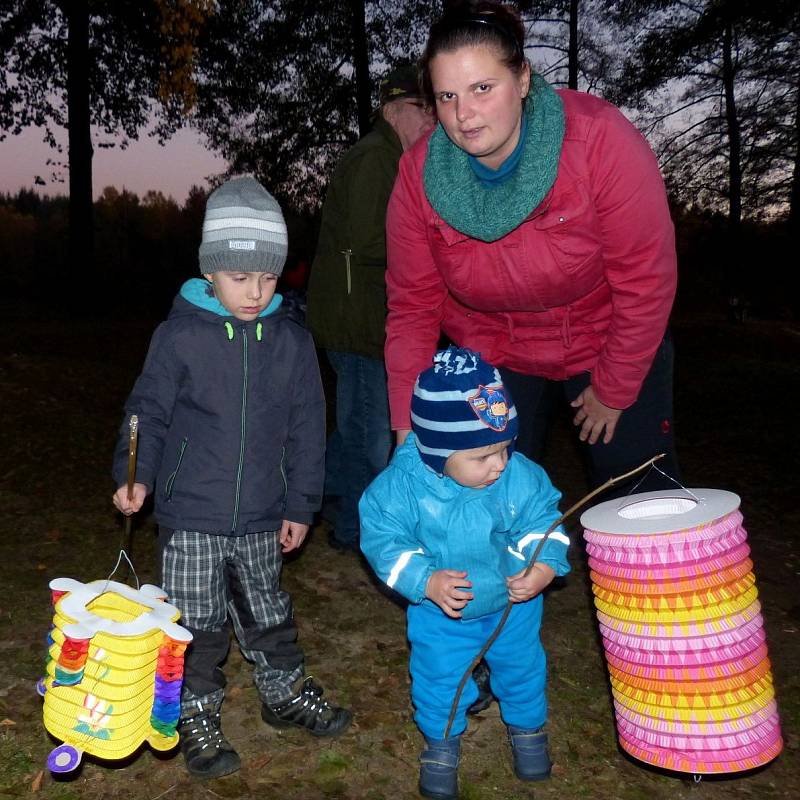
<point>388,525</point>
<point>538,500</point>
<point>304,459</point>
<point>153,401</point>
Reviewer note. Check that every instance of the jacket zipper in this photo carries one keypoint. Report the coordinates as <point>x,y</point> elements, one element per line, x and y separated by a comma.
<point>171,480</point>
<point>283,475</point>
<point>243,431</point>
<point>347,253</point>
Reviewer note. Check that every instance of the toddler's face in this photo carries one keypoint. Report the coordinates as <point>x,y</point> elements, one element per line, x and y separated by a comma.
<point>244,294</point>
<point>478,467</point>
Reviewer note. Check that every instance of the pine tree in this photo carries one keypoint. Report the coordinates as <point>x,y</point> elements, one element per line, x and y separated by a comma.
<point>283,89</point>
<point>112,63</point>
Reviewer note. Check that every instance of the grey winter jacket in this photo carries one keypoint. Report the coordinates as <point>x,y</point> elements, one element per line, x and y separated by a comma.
<point>231,420</point>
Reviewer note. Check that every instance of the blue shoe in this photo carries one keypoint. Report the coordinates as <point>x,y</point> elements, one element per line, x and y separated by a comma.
<point>529,748</point>
<point>438,768</point>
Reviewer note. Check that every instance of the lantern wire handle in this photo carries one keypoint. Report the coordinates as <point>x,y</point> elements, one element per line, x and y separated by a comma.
<point>131,571</point>
<point>496,632</point>
<point>668,477</point>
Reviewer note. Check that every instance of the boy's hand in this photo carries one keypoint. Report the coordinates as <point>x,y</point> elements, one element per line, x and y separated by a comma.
<point>443,588</point>
<point>292,535</point>
<point>522,588</point>
<point>128,507</point>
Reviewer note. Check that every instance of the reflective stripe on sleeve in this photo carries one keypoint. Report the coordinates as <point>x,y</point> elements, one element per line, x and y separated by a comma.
<point>400,565</point>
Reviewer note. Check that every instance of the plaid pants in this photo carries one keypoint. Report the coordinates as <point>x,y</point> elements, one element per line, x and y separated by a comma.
<point>214,579</point>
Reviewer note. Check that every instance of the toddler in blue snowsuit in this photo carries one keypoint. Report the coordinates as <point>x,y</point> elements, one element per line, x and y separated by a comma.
<point>451,524</point>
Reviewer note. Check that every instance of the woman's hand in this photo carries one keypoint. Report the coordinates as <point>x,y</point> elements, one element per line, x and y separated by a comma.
<point>444,587</point>
<point>401,434</point>
<point>594,417</point>
<point>522,587</point>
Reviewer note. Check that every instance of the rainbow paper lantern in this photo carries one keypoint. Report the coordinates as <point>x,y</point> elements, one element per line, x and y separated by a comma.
<point>682,631</point>
<point>114,671</point>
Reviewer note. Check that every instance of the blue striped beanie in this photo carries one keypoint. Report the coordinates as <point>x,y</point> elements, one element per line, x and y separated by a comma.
<point>243,230</point>
<point>458,404</point>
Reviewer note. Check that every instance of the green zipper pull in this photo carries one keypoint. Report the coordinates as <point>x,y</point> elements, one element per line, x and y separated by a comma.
<point>229,329</point>
<point>259,329</point>
<point>347,253</point>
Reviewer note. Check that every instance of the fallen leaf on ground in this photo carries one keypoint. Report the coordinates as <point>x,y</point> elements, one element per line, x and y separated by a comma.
<point>36,783</point>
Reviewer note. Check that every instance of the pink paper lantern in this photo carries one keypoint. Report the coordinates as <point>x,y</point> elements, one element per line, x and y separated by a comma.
<point>682,631</point>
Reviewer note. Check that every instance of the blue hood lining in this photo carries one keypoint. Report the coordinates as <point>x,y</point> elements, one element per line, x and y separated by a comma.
<point>196,291</point>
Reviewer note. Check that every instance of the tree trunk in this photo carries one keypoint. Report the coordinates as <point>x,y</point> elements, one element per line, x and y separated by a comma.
<point>794,196</point>
<point>734,169</point>
<point>572,78</point>
<point>81,222</point>
<point>361,64</point>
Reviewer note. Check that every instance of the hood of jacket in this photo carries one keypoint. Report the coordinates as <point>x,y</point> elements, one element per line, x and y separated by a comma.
<point>196,295</point>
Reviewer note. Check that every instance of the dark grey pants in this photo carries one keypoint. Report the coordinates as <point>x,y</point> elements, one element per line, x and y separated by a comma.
<point>220,580</point>
<point>643,431</point>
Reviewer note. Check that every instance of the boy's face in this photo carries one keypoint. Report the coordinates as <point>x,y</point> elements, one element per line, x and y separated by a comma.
<point>478,467</point>
<point>244,294</point>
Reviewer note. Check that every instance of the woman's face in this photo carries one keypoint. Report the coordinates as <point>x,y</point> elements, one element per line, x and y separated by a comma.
<point>479,101</point>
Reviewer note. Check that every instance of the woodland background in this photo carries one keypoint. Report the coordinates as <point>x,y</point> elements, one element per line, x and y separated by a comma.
<point>281,89</point>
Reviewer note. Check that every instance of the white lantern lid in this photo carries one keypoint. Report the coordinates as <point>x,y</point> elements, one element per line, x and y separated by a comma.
<point>663,511</point>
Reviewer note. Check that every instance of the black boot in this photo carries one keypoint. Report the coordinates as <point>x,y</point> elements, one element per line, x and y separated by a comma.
<point>481,677</point>
<point>308,710</point>
<point>207,753</point>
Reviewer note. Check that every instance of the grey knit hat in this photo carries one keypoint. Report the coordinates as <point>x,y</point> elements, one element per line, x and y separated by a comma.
<point>243,230</point>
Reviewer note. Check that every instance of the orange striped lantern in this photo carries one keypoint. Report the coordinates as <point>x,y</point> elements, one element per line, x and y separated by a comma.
<point>682,630</point>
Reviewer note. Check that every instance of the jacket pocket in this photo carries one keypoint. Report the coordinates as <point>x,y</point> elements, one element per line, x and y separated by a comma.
<point>170,485</point>
<point>454,255</point>
<point>571,229</point>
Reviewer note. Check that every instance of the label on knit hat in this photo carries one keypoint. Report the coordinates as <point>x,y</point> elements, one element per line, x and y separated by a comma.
<point>241,244</point>
<point>490,407</point>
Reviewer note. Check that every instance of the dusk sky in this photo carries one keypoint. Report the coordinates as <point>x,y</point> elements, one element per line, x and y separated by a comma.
<point>144,165</point>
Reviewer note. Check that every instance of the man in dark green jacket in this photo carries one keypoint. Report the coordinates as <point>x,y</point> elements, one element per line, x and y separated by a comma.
<point>347,296</point>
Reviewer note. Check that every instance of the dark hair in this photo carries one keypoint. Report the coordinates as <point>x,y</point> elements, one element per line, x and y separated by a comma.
<point>475,23</point>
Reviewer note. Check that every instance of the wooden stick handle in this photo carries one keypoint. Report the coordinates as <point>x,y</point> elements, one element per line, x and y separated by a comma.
<point>496,632</point>
<point>133,442</point>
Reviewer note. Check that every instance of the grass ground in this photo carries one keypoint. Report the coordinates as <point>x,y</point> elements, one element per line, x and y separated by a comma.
<point>63,384</point>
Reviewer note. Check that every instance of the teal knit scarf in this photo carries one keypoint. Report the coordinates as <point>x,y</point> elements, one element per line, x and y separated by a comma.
<point>488,214</point>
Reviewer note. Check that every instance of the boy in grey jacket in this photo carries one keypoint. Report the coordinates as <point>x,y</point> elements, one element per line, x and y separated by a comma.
<point>231,444</point>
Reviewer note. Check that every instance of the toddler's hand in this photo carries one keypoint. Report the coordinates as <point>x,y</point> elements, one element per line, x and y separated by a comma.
<point>444,587</point>
<point>128,507</point>
<point>522,587</point>
<point>292,535</point>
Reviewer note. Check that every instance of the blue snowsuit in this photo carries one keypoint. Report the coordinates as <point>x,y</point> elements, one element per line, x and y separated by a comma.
<point>414,522</point>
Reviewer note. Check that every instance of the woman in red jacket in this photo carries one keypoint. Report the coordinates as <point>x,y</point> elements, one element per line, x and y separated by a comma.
<point>533,227</point>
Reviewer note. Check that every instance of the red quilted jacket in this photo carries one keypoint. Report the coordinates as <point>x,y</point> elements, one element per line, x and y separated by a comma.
<point>585,283</point>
